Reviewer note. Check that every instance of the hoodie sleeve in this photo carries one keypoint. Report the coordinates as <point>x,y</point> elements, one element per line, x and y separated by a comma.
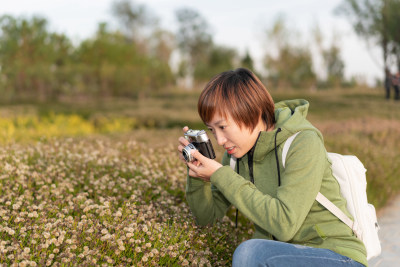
<point>206,202</point>
<point>283,215</point>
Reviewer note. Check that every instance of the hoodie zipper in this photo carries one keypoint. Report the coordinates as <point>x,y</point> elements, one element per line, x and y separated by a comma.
<point>250,155</point>
<point>250,162</point>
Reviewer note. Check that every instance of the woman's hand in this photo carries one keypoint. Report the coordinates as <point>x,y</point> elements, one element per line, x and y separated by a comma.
<point>202,167</point>
<point>182,143</point>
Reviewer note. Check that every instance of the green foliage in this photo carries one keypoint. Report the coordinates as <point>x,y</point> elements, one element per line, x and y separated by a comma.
<point>193,38</point>
<point>290,66</point>
<point>247,62</point>
<point>113,66</point>
<point>366,16</point>
<point>201,58</point>
<point>218,60</point>
<point>376,20</point>
<point>134,59</point>
<point>134,18</point>
<point>332,64</point>
<point>31,58</point>
<point>38,64</point>
<point>393,26</point>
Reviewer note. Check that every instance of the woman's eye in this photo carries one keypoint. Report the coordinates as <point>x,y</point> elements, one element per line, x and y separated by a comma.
<point>222,127</point>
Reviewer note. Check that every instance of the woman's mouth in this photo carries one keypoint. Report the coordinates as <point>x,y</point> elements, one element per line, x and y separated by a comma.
<point>231,150</point>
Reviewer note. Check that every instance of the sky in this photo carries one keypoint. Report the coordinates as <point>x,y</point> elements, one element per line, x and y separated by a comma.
<point>240,24</point>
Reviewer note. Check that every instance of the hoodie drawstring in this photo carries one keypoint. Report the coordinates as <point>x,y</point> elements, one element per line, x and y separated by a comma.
<point>277,166</point>
<point>277,160</point>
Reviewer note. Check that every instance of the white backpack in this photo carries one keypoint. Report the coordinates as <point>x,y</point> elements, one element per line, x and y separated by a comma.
<point>350,173</point>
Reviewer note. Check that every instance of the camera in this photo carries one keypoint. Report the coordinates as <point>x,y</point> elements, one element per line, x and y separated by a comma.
<point>198,141</point>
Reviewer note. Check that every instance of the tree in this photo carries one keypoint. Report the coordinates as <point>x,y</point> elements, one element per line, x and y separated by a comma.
<point>112,66</point>
<point>376,21</point>
<point>135,19</point>
<point>193,38</point>
<point>247,61</point>
<point>153,44</point>
<point>161,44</point>
<point>292,67</point>
<point>38,64</point>
<point>393,12</point>
<point>287,65</point>
<point>31,57</point>
<point>332,63</point>
<point>219,59</point>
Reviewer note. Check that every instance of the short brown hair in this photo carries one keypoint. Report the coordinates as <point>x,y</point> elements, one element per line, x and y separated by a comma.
<point>240,93</point>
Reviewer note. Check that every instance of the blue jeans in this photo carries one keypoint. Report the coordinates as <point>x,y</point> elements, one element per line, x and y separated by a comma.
<point>262,252</point>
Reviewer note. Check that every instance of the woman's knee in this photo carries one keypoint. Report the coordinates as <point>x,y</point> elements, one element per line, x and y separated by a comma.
<point>244,248</point>
<point>247,252</point>
<point>242,253</point>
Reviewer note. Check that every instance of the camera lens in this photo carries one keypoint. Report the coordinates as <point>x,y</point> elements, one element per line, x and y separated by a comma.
<point>186,155</point>
<point>186,152</point>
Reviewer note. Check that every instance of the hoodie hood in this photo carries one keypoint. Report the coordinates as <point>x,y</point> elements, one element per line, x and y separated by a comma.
<point>290,117</point>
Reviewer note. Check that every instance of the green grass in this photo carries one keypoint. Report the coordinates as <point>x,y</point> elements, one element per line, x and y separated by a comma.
<point>100,183</point>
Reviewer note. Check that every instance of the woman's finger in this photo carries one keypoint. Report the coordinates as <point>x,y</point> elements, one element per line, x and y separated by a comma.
<point>193,173</point>
<point>180,148</point>
<point>183,141</point>
<point>191,166</point>
<point>182,158</point>
<point>198,156</point>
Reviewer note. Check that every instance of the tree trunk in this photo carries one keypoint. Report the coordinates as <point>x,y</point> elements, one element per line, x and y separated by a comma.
<point>385,42</point>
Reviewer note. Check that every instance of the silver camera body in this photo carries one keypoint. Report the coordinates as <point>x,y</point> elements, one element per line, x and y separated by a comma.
<point>198,141</point>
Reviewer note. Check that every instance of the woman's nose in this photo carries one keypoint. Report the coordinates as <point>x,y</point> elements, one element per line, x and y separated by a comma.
<point>221,140</point>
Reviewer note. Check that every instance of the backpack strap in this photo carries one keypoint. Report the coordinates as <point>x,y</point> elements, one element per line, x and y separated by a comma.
<point>321,198</point>
<point>286,148</point>
<point>339,213</point>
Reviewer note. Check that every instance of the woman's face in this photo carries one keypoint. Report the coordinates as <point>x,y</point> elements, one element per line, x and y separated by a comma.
<point>237,141</point>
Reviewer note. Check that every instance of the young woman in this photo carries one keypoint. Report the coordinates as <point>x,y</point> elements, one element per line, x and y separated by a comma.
<point>292,229</point>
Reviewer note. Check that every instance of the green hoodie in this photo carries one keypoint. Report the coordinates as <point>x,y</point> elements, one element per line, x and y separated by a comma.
<point>288,212</point>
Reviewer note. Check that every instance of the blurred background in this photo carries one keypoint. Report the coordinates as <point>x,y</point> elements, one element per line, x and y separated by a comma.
<point>52,50</point>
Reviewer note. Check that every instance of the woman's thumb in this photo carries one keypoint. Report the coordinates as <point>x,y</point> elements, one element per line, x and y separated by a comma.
<point>197,155</point>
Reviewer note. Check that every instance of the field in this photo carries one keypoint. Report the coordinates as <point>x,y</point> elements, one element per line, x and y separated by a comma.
<point>99,183</point>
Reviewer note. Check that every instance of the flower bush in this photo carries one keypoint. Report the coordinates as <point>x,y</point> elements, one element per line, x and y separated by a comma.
<point>98,201</point>
<point>33,127</point>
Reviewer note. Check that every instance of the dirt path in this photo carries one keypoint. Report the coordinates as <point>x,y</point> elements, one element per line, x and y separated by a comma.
<point>389,234</point>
